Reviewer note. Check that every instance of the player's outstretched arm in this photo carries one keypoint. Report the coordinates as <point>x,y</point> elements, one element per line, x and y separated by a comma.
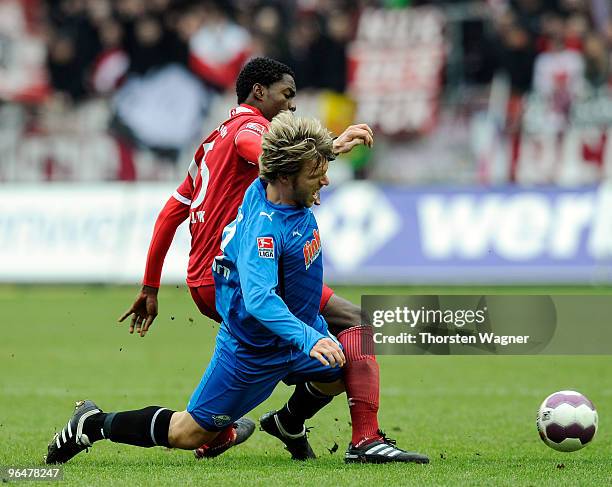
<point>144,308</point>
<point>360,134</point>
<point>143,311</point>
<point>328,352</point>
<point>170,217</point>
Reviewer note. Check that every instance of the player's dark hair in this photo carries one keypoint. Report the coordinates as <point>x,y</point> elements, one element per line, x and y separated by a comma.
<point>262,70</point>
<point>290,143</point>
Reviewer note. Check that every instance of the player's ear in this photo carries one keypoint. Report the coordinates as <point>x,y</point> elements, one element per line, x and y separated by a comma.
<point>259,91</point>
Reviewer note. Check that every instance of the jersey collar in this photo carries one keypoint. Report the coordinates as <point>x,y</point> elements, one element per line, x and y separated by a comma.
<point>243,108</point>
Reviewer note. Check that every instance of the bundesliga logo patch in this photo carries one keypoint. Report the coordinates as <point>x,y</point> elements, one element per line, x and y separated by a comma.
<point>265,247</point>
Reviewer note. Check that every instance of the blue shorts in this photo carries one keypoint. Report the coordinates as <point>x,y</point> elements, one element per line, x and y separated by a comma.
<point>237,380</point>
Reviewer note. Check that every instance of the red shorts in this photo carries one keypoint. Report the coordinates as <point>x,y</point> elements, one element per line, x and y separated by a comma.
<point>204,298</point>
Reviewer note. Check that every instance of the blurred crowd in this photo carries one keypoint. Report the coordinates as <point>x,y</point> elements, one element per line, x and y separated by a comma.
<point>560,47</point>
<point>94,45</point>
<point>158,65</point>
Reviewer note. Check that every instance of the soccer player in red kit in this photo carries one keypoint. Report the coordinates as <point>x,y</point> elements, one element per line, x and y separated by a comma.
<point>223,167</point>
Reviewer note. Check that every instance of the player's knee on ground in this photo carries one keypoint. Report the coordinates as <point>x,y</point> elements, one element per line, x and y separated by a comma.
<point>186,434</point>
<point>341,314</point>
<point>329,388</point>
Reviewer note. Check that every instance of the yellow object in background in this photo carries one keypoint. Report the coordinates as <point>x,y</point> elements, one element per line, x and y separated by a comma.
<point>337,111</point>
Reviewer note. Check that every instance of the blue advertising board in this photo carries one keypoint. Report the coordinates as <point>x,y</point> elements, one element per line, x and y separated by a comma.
<point>386,234</point>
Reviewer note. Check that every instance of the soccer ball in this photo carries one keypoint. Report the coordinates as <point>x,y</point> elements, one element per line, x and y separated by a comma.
<point>567,421</point>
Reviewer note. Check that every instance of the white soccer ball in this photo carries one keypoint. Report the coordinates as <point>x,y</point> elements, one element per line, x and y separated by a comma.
<point>567,421</point>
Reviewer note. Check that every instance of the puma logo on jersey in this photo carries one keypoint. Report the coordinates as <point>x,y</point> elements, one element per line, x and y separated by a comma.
<point>312,249</point>
<point>269,215</point>
<point>296,233</point>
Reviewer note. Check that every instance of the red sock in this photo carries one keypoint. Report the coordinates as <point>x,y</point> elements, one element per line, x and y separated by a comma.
<point>362,382</point>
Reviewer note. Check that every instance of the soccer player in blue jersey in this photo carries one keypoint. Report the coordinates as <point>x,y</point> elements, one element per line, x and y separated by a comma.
<point>268,284</point>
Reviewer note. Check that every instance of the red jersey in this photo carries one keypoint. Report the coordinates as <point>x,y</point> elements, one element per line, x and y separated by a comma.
<point>216,181</point>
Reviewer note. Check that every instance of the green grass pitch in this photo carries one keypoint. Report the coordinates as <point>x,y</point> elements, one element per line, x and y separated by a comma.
<point>474,416</point>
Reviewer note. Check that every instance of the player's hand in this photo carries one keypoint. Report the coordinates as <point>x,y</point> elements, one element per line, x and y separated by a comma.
<point>143,311</point>
<point>328,352</point>
<point>360,134</point>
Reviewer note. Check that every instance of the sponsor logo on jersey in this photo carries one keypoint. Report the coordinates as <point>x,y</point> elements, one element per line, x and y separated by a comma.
<point>260,129</point>
<point>312,249</point>
<point>265,247</point>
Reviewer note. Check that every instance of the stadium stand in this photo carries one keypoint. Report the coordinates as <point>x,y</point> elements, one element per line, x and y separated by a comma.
<point>472,87</point>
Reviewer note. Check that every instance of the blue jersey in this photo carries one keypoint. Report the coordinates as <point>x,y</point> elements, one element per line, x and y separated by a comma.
<point>270,277</point>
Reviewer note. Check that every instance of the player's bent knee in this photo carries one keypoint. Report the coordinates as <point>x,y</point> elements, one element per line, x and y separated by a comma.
<point>329,388</point>
<point>186,434</point>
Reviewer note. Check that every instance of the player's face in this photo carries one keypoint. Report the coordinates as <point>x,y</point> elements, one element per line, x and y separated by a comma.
<point>279,96</point>
<point>308,182</point>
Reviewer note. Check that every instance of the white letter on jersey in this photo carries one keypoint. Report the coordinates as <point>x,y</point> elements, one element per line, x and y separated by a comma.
<point>228,233</point>
<point>204,174</point>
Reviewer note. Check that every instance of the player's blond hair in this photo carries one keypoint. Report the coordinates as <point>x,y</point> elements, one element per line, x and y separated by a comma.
<point>290,143</point>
